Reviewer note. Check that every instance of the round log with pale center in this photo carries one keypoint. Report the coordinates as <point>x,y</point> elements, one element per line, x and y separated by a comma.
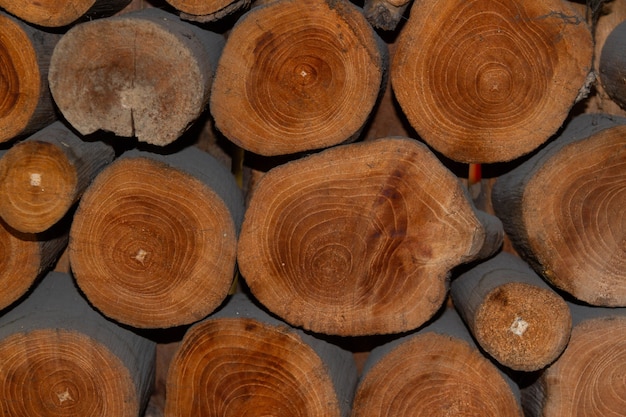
<point>436,372</point>
<point>564,210</point>
<point>25,101</point>
<point>486,81</point>
<point>242,362</point>
<point>297,75</point>
<point>359,239</point>
<point>153,240</point>
<point>44,175</point>
<point>145,74</point>
<point>57,13</point>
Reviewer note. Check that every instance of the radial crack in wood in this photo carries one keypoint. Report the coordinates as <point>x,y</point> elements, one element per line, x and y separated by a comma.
<point>57,13</point>
<point>359,239</point>
<point>103,75</point>
<point>489,81</point>
<point>297,76</point>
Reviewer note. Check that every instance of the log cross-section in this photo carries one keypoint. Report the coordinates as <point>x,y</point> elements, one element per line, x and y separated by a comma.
<point>359,239</point>
<point>57,13</point>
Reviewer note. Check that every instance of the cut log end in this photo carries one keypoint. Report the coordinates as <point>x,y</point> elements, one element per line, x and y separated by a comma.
<point>239,367</point>
<point>37,186</point>
<point>522,326</point>
<point>20,83</point>
<point>434,375</point>
<point>58,13</point>
<point>61,372</point>
<point>207,11</point>
<point>306,78</point>
<point>613,65</point>
<point>152,246</point>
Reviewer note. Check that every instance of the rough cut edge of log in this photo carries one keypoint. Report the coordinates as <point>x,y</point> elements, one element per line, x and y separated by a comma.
<point>390,365</point>
<point>121,92</point>
<point>59,166</point>
<point>62,13</point>
<point>56,307</point>
<point>336,370</point>
<point>508,193</point>
<point>385,14</point>
<point>586,379</point>
<point>513,314</point>
<point>217,14</point>
<point>39,108</point>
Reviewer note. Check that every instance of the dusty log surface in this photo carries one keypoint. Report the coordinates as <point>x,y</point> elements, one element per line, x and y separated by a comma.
<point>25,256</point>
<point>613,65</point>
<point>359,239</point>
<point>588,379</point>
<point>297,76</point>
<point>145,74</point>
<point>57,13</point>
<point>437,371</point>
<point>489,81</point>
<point>60,357</point>
<point>512,313</point>
<point>25,101</point>
<point>385,14</point>
<point>208,10</point>
<point>43,176</point>
<point>563,210</point>
<point>241,361</point>
<point>153,242</point>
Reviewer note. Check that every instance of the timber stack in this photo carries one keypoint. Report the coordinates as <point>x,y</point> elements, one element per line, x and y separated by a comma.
<point>312,208</point>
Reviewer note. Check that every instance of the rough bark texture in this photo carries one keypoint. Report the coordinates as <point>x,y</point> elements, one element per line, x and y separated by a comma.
<point>385,14</point>
<point>44,175</point>
<point>153,241</point>
<point>208,10</point>
<point>563,209</point>
<point>436,372</point>
<point>60,357</point>
<point>489,81</point>
<point>241,361</point>
<point>296,76</point>
<point>25,101</point>
<point>613,65</point>
<point>56,13</point>
<point>359,239</point>
<point>145,74</point>
<point>512,313</point>
<point>588,379</point>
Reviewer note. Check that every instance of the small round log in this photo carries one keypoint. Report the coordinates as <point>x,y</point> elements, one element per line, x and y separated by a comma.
<point>61,358</point>
<point>25,102</point>
<point>207,10</point>
<point>514,316</point>
<point>436,372</point>
<point>564,210</point>
<point>588,379</point>
<point>145,74</point>
<point>488,81</point>
<point>241,361</point>
<point>360,239</point>
<point>298,75</point>
<point>613,65</point>
<point>57,13</point>
<point>44,175</point>
<point>153,242</point>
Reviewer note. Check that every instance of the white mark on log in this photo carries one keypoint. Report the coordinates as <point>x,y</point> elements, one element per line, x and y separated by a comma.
<point>141,256</point>
<point>65,144</point>
<point>64,396</point>
<point>304,73</point>
<point>519,326</point>
<point>35,179</point>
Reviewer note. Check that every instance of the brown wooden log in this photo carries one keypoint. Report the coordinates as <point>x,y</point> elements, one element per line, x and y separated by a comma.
<point>145,74</point>
<point>512,313</point>
<point>42,177</point>
<point>241,361</point>
<point>60,358</point>
<point>588,379</point>
<point>25,101</point>
<point>489,81</point>
<point>25,257</point>
<point>57,13</point>
<point>613,65</point>
<point>359,239</point>
<point>153,242</point>
<point>208,10</point>
<point>385,14</point>
<point>296,76</point>
<point>563,209</point>
<point>437,371</point>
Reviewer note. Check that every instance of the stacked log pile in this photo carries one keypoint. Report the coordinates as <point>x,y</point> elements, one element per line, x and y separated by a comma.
<point>286,199</point>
